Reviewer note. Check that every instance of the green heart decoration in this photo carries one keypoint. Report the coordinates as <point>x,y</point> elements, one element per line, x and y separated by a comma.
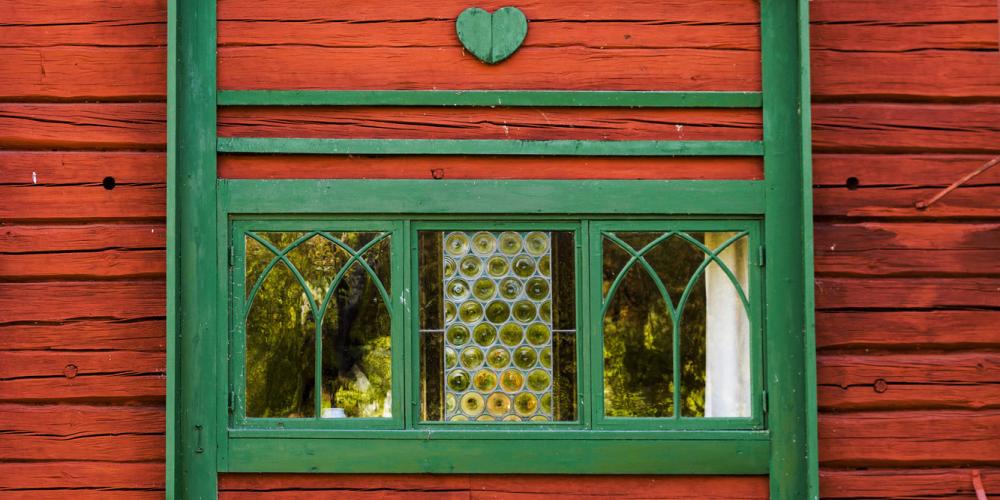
<point>492,37</point>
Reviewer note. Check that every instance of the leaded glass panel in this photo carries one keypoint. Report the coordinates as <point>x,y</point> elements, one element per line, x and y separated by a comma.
<point>498,326</point>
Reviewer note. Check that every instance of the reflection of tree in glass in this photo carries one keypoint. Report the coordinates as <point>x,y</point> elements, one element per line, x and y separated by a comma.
<point>280,342</point>
<point>638,330</point>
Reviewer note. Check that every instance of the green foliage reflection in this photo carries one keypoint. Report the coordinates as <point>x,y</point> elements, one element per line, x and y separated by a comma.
<point>281,328</point>
<point>638,329</point>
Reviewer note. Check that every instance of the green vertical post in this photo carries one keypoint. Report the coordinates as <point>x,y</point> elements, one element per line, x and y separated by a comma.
<point>788,271</point>
<point>192,246</point>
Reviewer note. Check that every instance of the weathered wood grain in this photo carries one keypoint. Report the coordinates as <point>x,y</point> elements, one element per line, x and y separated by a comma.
<point>78,73</point>
<point>539,11</point>
<point>59,432</point>
<point>86,335</point>
<point>79,474</point>
<point>943,484</point>
<point>907,331</point>
<point>899,36</point>
<point>910,438</point>
<point>602,34</point>
<point>500,123</point>
<point>55,301</point>
<point>82,494</point>
<point>575,68</point>
<point>71,364</point>
<point>906,128</point>
<point>53,238</point>
<point>460,167</point>
<point>907,249</point>
<point>81,167</point>
<point>966,380</point>
<point>99,265</point>
<point>899,201</point>
<point>906,293</point>
<point>82,203</point>
<point>295,486</point>
<point>921,74</point>
<point>900,170</point>
<point>137,126</point>
<point>901,11</point>
<point>112,389</point>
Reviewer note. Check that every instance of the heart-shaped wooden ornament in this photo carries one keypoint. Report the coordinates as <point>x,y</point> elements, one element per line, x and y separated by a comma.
<point>492,37</point>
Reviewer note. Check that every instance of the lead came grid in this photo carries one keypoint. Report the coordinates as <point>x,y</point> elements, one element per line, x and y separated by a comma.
<point>498,325</point>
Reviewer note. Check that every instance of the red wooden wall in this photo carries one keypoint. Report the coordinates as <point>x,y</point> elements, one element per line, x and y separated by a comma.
<point>907,95</point>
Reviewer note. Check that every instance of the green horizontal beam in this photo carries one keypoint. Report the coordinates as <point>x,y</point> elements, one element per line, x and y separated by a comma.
<point>508,197</point>
<point>638,455</point>
<point>536,98</point>
<point>487,147</point>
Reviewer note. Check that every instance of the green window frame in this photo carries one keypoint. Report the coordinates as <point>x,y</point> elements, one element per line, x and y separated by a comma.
<point>206,437</point>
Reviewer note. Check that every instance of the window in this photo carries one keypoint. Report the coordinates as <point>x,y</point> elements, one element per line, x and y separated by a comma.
<point>630,325</point>
<point>669,313</point>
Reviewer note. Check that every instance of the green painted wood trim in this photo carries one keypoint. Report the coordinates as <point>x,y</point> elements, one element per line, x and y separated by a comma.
<point>493,197</point>
<point>792,387</point>
<point>434,454</point>
<point>504,98</point>
<point>487,147</point>
<point>170,482</point>
<point>809,285</point>
<point>193,241</point>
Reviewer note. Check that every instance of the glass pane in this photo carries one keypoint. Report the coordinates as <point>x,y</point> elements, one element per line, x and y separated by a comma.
<point>702,305</point>
<point>638,341</point>
<point>280,348</point>
<point>354,323</point>
<point>357,358</point>
<point>498,340</point>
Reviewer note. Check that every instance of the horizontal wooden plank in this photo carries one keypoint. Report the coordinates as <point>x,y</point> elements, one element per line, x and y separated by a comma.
<point>902,11</point>
<point>80,475</point>
<point>59,301</point>
<point>540,11</point>
<point>82,167</point>
<point>460,167</point>
<point>900,170</point>
<point>909,438</point>
<point>109,447</point>
<point>84,203</point>
<point>911,248</point>
<point>906,293</point>
<point>900,36</point>
<point>73,364</point>
<point>906,128</point>
<point>531,68</point>
<point>533,124</point>
<point>83,72</point>
<point>943,484</point>
<point>83,126</point>
<point>77,474</point>
<point>295,486</point>
<point>907,330</point>
<point>142,335</point>
<point>21,238</point>
<point>81,420</point>
<point>97,433</point>
<point>919,74</point>
<point>45,13</point>
<point>82,494</point>
<point>610,34</point>
<point>105,264</point>
<point>97,389</point>
<point>899,201</point>
<point>909,381</point>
